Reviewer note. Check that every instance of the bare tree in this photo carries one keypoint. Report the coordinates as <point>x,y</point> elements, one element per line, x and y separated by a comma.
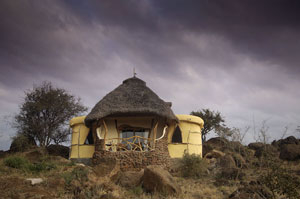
<point>238,134</point>
<point>285,131</point>
<point>262,134</point>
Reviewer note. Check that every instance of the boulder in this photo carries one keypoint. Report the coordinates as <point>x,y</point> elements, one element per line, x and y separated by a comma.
<point>226,161</point>
<point>266,150</point>
<point>157,179</point>
<point>108,167</point>
<point>255,145</point>
<point>58,150</point>
<point>289,140</point>
<point>224,145</point>
<point>236,146</point>
<point>206,148</point>
<point>240,162</point>
<point>214,154</point>
<point>217,142</point>
<point>129,179</point>
<point>290,152</point>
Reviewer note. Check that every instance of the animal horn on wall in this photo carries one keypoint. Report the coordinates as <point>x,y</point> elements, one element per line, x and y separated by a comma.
<point>164,132</point>
<point>98,130</point>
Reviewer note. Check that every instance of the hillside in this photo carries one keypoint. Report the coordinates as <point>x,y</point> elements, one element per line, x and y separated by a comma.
<point>229,170</point>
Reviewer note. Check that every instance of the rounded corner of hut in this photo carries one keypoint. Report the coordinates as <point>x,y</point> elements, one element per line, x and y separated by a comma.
<point>131,123</point>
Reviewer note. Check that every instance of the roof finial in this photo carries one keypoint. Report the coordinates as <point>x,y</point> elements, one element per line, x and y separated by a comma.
<point>134,73</point>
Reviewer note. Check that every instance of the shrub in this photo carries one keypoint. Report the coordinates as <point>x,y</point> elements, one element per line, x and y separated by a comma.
<point>21,143</point>
<point>78,173</point>
<point>16,162</point>
<point>193,166</point>
<point>41,166</point>
<point>280,181</point>
<point>138,190</point>
<point>68,177</point>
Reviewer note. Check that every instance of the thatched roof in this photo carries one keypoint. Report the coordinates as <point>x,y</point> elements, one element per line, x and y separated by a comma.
<point>131,98</point>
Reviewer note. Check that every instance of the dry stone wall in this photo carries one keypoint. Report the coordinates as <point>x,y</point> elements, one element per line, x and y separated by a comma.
<point>135,160</point>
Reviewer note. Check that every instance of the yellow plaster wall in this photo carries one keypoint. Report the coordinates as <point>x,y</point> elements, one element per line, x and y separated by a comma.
<point>190,127</point>
<point>79,135</point>
<point>82,151</point>
<point>177,150</point>
<point>80,132</point>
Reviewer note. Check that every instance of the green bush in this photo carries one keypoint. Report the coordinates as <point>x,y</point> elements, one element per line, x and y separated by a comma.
<point>193,166</point>
<point>41,166</point>
<point>16,162</point>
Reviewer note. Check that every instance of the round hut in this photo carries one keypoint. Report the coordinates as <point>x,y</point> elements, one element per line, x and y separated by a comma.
<point>130,124</point>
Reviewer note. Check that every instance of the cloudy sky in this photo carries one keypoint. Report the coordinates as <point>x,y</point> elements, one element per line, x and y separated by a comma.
<point>239,57</point>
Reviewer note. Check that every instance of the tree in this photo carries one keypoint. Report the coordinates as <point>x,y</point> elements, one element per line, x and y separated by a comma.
<point>213,121</point>
<point>45,113</point>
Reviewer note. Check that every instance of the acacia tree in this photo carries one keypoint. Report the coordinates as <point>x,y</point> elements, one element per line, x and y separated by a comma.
<point>45,113</point>
<point>213,121</point>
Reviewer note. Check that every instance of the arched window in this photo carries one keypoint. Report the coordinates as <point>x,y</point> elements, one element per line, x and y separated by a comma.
<point>89,138</point>
<point>177,138</point>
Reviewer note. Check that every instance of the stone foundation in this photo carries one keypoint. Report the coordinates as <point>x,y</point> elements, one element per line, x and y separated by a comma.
<point>135,160</point>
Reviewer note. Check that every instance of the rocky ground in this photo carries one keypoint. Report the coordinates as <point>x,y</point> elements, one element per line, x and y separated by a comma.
<point>228,170</point>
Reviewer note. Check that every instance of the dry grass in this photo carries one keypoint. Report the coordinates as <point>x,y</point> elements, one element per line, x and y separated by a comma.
<point>56,184</point>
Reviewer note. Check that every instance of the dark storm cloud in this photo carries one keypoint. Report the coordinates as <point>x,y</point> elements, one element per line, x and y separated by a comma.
<point>153,32</point>
<point>25,38</point>
<point>268,30</point>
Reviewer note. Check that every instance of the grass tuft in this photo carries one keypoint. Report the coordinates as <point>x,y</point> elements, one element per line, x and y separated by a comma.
<point>16,162</point>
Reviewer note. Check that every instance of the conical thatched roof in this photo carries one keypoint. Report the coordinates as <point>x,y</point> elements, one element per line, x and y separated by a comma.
<point>132,98</point>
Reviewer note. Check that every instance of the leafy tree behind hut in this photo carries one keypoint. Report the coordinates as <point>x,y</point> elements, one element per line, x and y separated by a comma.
<point>45,113</point>
<point>213,121</point>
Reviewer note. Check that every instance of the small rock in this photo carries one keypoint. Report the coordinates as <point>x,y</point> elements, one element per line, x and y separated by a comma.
<point>80,164</point>
<point>226,161</point>
<point>34,181</point>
